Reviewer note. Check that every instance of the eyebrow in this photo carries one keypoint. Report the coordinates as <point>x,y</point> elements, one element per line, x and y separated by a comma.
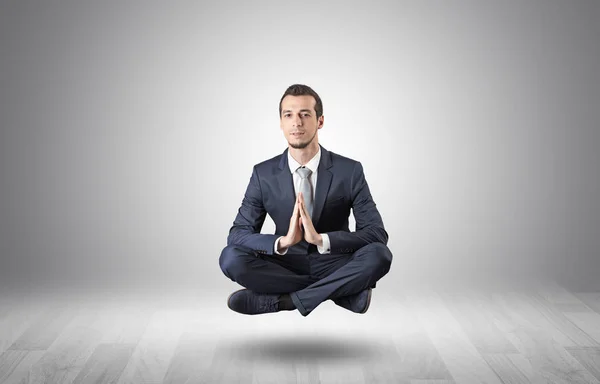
<point>302,110</point>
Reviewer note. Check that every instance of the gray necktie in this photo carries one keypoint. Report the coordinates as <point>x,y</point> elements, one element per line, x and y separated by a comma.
<point>306,188</point>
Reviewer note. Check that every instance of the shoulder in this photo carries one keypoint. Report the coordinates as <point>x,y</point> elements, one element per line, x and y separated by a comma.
<point>337,159</point>
<point>345,167</point>
<point>269,166</point>
<point>273,161</point>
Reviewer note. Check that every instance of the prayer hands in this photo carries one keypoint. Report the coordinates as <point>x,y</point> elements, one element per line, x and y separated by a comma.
<point>300,220</point>
<point>310,233</point>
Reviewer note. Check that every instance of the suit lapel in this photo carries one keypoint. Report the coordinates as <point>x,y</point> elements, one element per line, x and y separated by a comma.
<point>324,177</point>
<point>286,183</point>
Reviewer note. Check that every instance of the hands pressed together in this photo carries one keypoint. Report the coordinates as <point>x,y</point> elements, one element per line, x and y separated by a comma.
<point>300,221</point>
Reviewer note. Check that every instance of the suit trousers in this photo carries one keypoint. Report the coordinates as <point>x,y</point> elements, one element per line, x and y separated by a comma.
<point>309,279</point>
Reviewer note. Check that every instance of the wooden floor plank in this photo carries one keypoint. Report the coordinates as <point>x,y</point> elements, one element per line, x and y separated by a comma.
<point>573,335</point>
<point>591,299</point>
<point>16,321</point>
<point>554,293</point>
<point>67,356</point>
<point>386,365</point>
<point>268,368</point>
<point>415,355</point>
<point>504,367</point>
<point>106,364</point>
<point>529,308</point>
<point>152,355</point>
<point>589,358</point>
<point>587,322</point>
<point>561,298</point>
<point>340,372</point>
<point>484,335</point>
<point>419,358</point>
<point>465,363</point>
<point>307,371</point>
<point>46,329</point>
<point>535,340</point>
<point>196,347</point>
<point>229,365</point>
<point>126,325</point>
<point>523,365</point>
<point>191,358</point>
<point>273,361</point>
<point>15,365</point>
<point>573,308</point>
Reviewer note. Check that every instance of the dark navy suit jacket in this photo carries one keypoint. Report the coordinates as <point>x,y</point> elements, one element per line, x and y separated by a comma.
<point>341,186</point>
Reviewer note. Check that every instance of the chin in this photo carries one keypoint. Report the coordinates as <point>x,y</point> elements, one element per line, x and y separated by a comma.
<point>301,145</point>
<point>298,145</point>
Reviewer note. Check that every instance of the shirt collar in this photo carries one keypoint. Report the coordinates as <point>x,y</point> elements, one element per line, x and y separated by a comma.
<point>312,164</point>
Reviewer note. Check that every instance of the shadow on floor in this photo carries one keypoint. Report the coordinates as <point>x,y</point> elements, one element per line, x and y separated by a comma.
<point>307,349</point>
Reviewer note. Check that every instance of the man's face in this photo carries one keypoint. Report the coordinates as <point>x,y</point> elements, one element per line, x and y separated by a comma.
<point>299,121</point>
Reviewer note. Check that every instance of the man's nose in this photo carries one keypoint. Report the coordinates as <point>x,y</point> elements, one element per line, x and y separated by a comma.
<point>297,121</point>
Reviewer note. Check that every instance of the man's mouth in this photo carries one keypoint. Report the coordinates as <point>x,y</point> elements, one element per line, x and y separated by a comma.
<point>298,134</point>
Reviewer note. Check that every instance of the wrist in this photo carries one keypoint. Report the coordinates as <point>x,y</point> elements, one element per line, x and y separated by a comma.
<point>319,240</point>
<point>283,244</point>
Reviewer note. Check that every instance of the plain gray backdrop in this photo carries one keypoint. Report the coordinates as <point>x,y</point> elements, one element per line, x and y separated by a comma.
<point>128,132</point>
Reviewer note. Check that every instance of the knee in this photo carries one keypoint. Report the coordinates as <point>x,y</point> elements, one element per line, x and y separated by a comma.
<point>231,260</point>
<point>378,255</point>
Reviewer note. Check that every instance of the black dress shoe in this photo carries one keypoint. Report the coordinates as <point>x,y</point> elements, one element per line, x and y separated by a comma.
<point>250,303</point>
<point>358,302</point>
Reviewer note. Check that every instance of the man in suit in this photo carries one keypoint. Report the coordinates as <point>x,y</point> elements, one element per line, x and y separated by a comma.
<point>308,191</point>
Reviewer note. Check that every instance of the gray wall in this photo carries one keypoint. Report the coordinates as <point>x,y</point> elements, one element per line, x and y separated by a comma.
<point>128,132</point>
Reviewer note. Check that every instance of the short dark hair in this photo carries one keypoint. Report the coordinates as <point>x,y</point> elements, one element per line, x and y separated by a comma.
<point>301,90</point>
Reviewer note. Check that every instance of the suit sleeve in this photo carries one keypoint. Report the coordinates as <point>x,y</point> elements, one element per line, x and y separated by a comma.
<point>369,225</point>
<point>250,219</point>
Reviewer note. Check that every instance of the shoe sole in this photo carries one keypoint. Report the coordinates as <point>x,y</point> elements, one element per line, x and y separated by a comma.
<point>229,297</point>
<point>368,301</point>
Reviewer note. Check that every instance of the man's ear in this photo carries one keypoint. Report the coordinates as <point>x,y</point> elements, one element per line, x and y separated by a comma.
<point>321,122</point>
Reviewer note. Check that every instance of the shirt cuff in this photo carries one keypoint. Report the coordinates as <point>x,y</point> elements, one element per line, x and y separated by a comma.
<point>326,248</point>
<point>276,246</point>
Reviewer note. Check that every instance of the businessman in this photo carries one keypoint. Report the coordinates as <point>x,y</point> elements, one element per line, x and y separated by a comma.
<point>308,191</point>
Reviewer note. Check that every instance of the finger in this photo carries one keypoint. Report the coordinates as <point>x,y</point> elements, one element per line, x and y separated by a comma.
<point>295,212</point>
<point>306,218</point>
<point>303,217</point>
<point>303,209</point>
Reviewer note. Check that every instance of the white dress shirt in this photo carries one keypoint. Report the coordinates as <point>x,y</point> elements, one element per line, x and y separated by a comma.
<point>313,165</point>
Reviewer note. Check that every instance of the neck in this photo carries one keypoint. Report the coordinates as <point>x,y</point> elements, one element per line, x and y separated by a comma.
<point>304,155</point>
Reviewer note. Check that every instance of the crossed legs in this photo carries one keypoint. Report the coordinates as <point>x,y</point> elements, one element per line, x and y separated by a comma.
<point>308,279</point>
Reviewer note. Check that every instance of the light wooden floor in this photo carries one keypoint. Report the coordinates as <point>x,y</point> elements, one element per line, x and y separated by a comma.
<point>541,335</point>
